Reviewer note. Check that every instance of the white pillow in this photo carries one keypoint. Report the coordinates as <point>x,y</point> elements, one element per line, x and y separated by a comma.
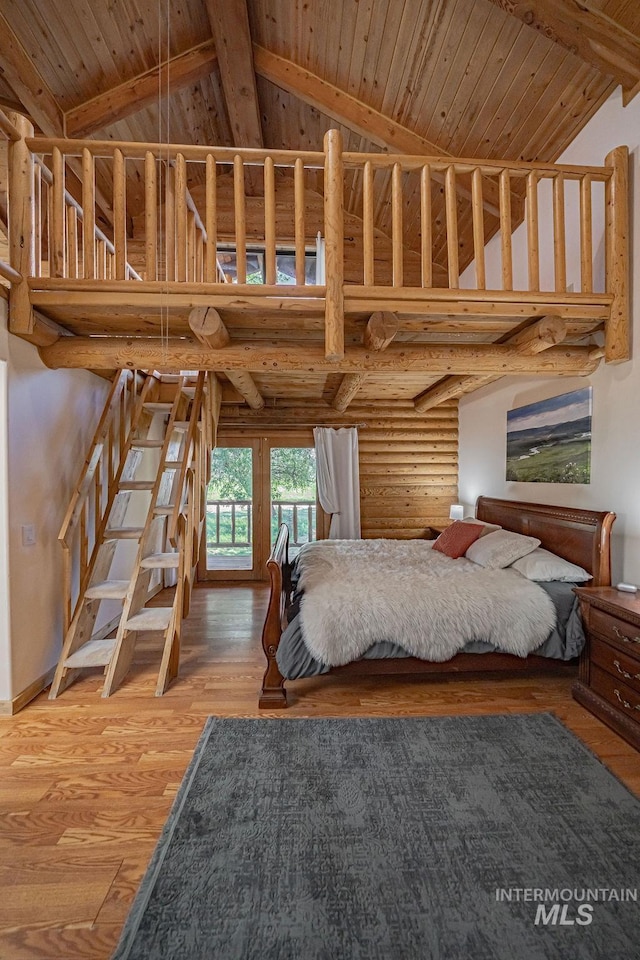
<point>486,527</point>
<point>541,564</point>
<point>500,549</point>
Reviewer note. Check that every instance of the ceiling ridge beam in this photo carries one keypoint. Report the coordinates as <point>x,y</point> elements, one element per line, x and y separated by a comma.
<point>361,118</point>
<point>578,26</point>
<point>141,91</point>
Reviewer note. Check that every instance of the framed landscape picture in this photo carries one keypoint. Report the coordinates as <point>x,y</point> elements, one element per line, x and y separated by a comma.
<point>550,441</point>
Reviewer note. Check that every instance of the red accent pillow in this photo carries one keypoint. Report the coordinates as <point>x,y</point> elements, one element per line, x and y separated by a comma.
<point>457,538</point>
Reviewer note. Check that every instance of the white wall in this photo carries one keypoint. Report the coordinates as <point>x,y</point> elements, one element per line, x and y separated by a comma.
<point>49,420</point>
<point>615,455</point>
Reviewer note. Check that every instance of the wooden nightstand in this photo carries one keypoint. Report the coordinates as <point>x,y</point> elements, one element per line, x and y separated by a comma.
<point>609,678</point>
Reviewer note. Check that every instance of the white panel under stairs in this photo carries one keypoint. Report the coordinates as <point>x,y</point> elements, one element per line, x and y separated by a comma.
<point>174,518</point>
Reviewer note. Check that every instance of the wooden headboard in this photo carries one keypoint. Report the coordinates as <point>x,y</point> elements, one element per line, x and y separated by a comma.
<point>580,536</point>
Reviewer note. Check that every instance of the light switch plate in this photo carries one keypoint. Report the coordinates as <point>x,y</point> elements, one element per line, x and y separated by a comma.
<point>28,535</point>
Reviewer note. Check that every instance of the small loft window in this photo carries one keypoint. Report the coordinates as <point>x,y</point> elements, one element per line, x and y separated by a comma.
<point>285,265</point>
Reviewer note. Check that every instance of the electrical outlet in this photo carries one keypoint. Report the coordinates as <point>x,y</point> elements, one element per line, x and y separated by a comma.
<point>28,535</point>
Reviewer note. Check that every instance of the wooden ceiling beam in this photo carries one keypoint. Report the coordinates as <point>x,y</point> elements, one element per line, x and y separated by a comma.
<point>141,91</point>
<point>578,26</point>
<point>381,328</point>
<point>20,72</point>
<point>209,329</point>
<point>541,335</point>
<point>361,118</point>
<point>230,27</point>
<point>145,353</point>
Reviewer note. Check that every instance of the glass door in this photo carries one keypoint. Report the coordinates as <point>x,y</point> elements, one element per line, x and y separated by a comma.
<point>293,494</point>
<point>230,526</point>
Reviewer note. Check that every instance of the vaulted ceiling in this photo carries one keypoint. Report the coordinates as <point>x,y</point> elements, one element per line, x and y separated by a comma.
<point>476,78</point>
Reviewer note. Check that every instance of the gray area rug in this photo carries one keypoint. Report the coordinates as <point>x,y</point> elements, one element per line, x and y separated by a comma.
<point>385,839</point>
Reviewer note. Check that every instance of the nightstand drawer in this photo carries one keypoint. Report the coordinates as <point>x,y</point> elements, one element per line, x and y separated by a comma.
<point>624,698</point>
<point>620,632</point>
<point>621,666</point>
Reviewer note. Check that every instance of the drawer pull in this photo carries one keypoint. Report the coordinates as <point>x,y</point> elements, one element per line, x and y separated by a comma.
<point>625,703</point>
<point>623,673</point>
<point>623,636</point>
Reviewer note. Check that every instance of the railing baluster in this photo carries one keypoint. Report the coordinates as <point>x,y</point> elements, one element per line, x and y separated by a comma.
<point>269,221</point>
<point>249,532</point>
<point>586,241</point>
<point>88,215</point>
<point>191,246</point>
<point>559,246</point>
<point>299,226</point>
<point>233,523</point>
<point>170,224</point>
<point>119,214</point>
<point>452,226</point>
<point>72,242</point>
<point>37,218</point>
<point>295,522</point>
<point>396,225</point>
<point>199,266</point>
<point>57,233</point>
<point>367,225</point>
<point>150,217</point>
<point>217,523</point>
<point>211,224</point>
<point>533,240</point>
<point>240,219</point>
<point>310,530</point>
<point>505,230</point>
<point>477,207</point>
<point>426,230</point>
<point>181,216</point>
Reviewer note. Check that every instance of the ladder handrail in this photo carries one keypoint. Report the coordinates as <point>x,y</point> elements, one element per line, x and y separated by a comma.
<point>197,408</point>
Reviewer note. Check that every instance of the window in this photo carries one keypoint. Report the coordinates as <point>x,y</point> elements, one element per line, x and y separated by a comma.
<point>285,265</point>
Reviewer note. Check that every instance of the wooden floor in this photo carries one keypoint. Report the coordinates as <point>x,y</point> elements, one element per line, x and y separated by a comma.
<point>86,784</point>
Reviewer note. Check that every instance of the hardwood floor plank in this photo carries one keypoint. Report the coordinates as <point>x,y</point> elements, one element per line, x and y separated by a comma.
<point>86,784</point>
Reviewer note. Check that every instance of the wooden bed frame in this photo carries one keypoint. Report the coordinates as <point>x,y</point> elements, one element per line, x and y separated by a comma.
<point>580,536</point>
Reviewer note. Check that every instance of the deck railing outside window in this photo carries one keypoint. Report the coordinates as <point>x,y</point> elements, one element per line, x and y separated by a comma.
<point>229,522</point>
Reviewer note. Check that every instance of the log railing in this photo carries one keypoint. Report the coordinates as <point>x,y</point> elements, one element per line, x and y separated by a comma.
<point>432,196</point>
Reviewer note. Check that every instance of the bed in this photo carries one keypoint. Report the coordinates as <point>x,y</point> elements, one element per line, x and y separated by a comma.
<point>580,536</point>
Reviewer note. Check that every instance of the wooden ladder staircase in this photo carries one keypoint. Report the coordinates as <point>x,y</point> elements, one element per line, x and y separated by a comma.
<point>153,442</point>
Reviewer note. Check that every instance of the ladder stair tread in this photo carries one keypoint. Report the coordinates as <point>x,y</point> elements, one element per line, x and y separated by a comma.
<point>164,509</point>
<point>158,406</point>
<point>108,590</point>
<point>123,533</point>
<point>161,561</point>
<point>146,444</point>
<point>126,485</point>
<point>94,653</point>
<point>172,464</point>
<point>150,618</point>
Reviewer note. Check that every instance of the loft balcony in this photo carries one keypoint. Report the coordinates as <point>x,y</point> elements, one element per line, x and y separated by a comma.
<point>116,260</point>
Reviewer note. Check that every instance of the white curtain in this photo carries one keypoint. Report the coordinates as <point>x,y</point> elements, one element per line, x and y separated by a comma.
<point>338,479</point>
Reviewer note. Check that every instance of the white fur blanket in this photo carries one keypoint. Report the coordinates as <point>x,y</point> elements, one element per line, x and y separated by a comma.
<point>359,592</point>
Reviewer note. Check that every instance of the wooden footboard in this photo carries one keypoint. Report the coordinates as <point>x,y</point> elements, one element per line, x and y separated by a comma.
<point>273,695</point>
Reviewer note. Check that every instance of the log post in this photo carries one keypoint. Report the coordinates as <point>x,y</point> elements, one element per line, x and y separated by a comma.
<point>617,255</point>
<point>21,225</point>
<point>334,245</point>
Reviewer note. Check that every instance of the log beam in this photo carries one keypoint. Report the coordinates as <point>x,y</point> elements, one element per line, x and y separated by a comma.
<point>141,91</point>
<point>245,385</point>
<point>578,26</point>
<point>266,357</point>
<point>208,327</point>
<point>381,328</point>
<point>230,27</point>
<point>541,335</point>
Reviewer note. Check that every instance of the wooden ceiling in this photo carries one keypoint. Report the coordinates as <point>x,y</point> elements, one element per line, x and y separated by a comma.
<point>477,78</point>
